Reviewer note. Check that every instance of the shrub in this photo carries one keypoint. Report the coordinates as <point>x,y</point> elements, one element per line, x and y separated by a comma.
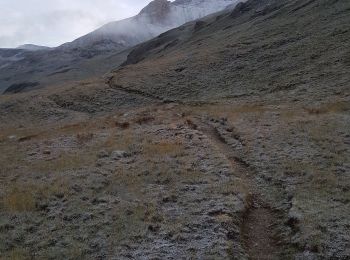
<point>84,137</point>
<point>122,125</point>
<point>144,119</point>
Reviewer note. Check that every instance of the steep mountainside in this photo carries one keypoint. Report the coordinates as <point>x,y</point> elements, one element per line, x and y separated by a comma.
<point>159,16</point>
<point>258,49</point>
<point>87,56</point>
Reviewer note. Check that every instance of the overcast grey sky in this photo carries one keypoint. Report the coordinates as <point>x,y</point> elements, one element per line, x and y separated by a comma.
<point>53,22</point>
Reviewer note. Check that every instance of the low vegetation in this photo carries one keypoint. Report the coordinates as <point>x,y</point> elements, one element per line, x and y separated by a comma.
<point>19,199</point>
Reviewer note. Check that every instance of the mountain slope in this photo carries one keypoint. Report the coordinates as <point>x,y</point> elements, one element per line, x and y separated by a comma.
<point>32,47</point>
<point>253,50</point>
<point>225,138</point>
<point>86,57</point>
<point>159,16</point>
<point>290,61</point>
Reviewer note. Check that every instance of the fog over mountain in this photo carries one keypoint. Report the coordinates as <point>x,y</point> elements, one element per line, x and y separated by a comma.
<point>32,47</point>
<point>159,16</point>
<point>52,23</point>
<point>100,51</point>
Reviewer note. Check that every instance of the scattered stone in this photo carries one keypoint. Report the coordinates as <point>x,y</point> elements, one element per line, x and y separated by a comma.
<point>169,199</point>
<point>154,228</point>
<point>102,154</point>
<point>116,155</point>
<point>87,216</point>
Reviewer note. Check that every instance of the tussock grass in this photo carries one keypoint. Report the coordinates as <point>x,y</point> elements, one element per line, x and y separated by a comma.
<point>76,251</point>
<point>324,180</point>
<point>17,254</point>
<point>19,200</point>
<point>134,182</point>
<point>84,137</point>
<point>291,113</point>
<point>23,197</point>
<point>231,186</point>
<point>125,140</point>
<point>21,134</point>
<point>11,157</point>
<point>191,176</point>
<point>231,112</point>
<point>336,107</point>
<point>132,222</point>
<point>163,148</point>
<point>14,157</point>
<point>320,180</point>
<point>66,161</point>
<point>127,182</point>
<point>122,125</point>
<point>144,119</point>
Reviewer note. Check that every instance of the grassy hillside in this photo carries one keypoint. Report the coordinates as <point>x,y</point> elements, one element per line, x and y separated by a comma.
<point>226,138</point>
<point>296,49</point>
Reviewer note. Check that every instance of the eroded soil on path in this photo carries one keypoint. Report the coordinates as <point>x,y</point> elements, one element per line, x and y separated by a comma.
<point>260,221</point>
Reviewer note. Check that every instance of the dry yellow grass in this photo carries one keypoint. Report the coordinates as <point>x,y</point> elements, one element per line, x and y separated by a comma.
<point>126,181</point>
<point>321,180</point>
<point>134,224</point>
<point>84,137</point>
<point>19,200</point>
<point>231,186</point>
<point>162,149</point>
<point>23,197</point>
<point>17,254</point>
<point>121,140</point>
<point>336,107</point>
<point>20,134</point>
<point>231,112</point>
<point>16,158</point>
<point>66,161</point>
<point>10,158</point>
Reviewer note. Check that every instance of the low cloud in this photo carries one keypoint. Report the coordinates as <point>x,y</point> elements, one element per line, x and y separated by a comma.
<point>52,23</point>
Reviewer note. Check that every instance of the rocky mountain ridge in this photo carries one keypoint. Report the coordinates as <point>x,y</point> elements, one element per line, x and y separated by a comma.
<point>32,47</point>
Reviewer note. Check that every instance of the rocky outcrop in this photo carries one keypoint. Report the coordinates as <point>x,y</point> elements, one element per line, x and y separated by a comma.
<point>157,11</point>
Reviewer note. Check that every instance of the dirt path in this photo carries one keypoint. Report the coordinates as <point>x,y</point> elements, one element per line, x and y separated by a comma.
<point>258,235</point>
<point>141,93</point>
